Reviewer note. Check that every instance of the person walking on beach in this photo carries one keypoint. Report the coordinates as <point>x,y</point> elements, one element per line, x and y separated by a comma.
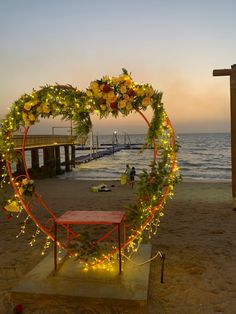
<point>132,176</point>
<point>127,173</point>
<point>127,170</point>
<point>124,179</point>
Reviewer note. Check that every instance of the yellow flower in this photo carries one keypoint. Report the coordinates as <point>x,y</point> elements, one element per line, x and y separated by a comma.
<point>27,105</point>
<point>140,91</point>
<point>111,96</point>
<point>122,104</point>
<point>124,77</point>
<point>39,109</point>
<point>24,116</point>
<point>89,93</point>
<point>115,80</point>
<point>146,101</point>
<point>149,91</point>
<point>46,109</point>
<point>103,107</point>
<point>98,94</point>
<point>27,122</point>
<point>31,117</point>
<point>25,181</point>
<point>94,86</point>
<point>12,207</point>
<point>34,102</point>
<point>129,107</point>
<point>123,89</point>
<point>128,82</point>
<point>30,104</point>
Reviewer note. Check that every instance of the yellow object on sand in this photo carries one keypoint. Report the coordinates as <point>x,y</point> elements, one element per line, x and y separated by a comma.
<point>12,207</point>
<point>123,179</point>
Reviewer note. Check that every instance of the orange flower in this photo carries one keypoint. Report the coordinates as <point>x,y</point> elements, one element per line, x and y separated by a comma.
<point>146,101</point>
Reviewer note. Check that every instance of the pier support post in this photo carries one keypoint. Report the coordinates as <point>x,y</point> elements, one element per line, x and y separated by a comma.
<point>35,158</point>
<point>35,170</point>
<point>49,161</point>
<point>58,160</point>
<point>67,158</point>
<point>73,156</point>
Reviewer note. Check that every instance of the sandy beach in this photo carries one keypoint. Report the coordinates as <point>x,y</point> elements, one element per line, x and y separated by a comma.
<point>197,236</point>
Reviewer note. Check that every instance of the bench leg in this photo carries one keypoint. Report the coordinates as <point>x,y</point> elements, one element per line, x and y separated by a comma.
<point>55,246</point>
<point>119,246</point>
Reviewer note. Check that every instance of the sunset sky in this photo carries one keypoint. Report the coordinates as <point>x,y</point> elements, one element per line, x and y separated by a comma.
<point>173,45</point>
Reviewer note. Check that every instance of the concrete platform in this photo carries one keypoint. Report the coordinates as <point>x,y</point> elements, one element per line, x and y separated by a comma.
<point>72,282</point>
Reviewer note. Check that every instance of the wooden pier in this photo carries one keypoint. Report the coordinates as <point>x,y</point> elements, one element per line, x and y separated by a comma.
<point>51,149</point>
<point>101,153</point>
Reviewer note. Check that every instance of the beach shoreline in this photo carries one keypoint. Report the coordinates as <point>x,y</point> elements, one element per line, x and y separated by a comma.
<point>197,235</point>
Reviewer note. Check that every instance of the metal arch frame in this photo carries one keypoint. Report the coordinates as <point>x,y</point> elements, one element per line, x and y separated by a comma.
<point>45,230</point>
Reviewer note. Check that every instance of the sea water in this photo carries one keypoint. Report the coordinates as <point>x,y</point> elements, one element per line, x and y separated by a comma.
<point>202,156</point>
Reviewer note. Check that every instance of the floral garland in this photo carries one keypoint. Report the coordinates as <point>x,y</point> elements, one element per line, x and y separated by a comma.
<point>107,96</point>
<point>119,95</point>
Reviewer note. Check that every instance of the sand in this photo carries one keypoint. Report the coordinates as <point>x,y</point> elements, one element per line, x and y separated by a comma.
<point>197,236</point>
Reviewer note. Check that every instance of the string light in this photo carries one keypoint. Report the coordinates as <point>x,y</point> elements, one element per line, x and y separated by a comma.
<point>117,95</point>
<point>34,236</point>
<point>46,245</point>
<point>23,227</point>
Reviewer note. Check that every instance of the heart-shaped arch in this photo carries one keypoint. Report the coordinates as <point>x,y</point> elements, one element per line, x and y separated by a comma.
<point>107,96</point>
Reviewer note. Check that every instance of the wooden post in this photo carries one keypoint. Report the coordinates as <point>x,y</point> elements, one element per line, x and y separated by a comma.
<point>67,158</point>
<point>35,158</point>
<point>49,161</point>
<point>232,73</point>
<point>58,159</point>
<point>73,156</point>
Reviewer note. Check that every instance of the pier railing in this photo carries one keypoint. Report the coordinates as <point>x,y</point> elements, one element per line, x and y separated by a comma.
<point>44,140</point>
